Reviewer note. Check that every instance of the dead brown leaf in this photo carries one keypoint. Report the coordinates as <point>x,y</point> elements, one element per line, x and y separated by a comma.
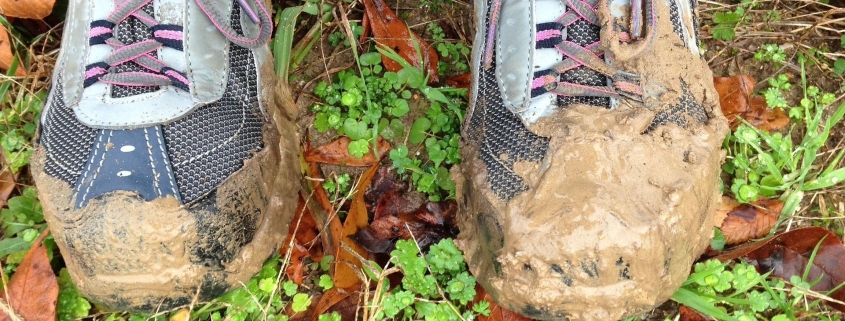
<point>7,186</point>
<point>337,153</point>
<point>725,206</point>
<point>33,290</point>
<point>396,217</point>
<point>336,299</point>
<point>736,100</point>
<point>28,9</point>
<point>788,254</point>
<point>328,217</point>
<point>344,273</point>
<point>750,221</point>
<point>6,56</point>
<point>460,81</point>
<point>302,241</point>
<point>497,313</point>
<point>688,314</point>
<point>390,31</point>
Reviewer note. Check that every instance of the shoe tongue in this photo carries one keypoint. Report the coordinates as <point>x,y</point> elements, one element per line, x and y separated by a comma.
<point>132,31</point>
<point>583,34</point>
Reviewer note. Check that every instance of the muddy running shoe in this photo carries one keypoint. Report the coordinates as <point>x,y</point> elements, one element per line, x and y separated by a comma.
<point>159,162</point>
<point>591,155</point>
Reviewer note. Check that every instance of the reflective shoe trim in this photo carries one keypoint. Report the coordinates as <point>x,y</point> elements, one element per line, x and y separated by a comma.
<point>546,12</point>
<point>514,38</point>
<point>688,28</point>
<point>127,160</point>
<point>200,62</point>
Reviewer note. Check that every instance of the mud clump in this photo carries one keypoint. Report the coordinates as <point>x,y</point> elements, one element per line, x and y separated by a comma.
<point>617,211</point>
<point>129,254</point>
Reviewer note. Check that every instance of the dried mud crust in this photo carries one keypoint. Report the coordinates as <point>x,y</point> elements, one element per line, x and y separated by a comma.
<point>616,212</point>
<point>130,254</point>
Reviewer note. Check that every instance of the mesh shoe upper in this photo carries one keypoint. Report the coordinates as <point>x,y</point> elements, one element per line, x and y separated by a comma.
<point>594,204</point>
<point>153,211</point>
<point>204,147</point>
<point>504,133</point>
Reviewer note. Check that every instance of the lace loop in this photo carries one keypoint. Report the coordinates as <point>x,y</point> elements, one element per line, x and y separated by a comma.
<point>157,72</point>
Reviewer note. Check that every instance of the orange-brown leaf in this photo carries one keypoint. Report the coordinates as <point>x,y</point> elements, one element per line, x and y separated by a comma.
<point>331,237</point>
<point>736,101</point>
<point>497,313</point>
<point>460,81</point>
<point>788,254</point>
<point>688,314</point>
<point>749,221</point>
<point>7,186</point>
<point>392,32</point>
<point>725,206</point>
<point>6,56</point>
<point>302,242</point>
<point>337,153</point>
<point>358,218</point>
<point>28,9</point>
<point>338,300</point>
<point>33,290</point>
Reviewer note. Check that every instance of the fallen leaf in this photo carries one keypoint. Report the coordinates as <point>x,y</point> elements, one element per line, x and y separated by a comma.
<point>33,290</point>
<point>6,56</point>
<point>337,153</point>
<point>688,314</point>
<point>394,219</point>
<point>460,81</point>
<point>384,181</point>
<point>7,186</point>
<point>750,221</point>
<point>326,215</point>
<point>392,32</point>
<point>788,254</point>
<point>344,273</point>
<point>340,300</point>
<point>28,9</point>
<point>181,315</point>
<point>302,242</point>
<point>725,206</point>
<point>736,101</point>
<point>497,313</point>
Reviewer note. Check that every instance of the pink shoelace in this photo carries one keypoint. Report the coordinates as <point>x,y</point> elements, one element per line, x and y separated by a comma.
<point>156,72</point>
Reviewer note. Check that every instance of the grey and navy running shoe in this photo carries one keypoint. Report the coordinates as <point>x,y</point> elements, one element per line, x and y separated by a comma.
<point>165,170</point>
<point>591,155</point>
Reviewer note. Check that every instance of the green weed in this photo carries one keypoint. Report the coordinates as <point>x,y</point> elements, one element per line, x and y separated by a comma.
<point>339,37</point>
<point>337,186</point>
<point>770,164</point>
<point>19,111</point>
<point>725,23</point>
<point>771,53</point>
<point>22,222</point>
<point>375,103</point>
<point>71,305</point>
<point>839,64</point>
<point>730,292</point>
<point>436,286</point>
<point>454,55</point>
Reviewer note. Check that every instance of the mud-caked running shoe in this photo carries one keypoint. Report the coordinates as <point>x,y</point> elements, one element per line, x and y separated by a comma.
<point>591,155</point>
<point>159,162</point>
